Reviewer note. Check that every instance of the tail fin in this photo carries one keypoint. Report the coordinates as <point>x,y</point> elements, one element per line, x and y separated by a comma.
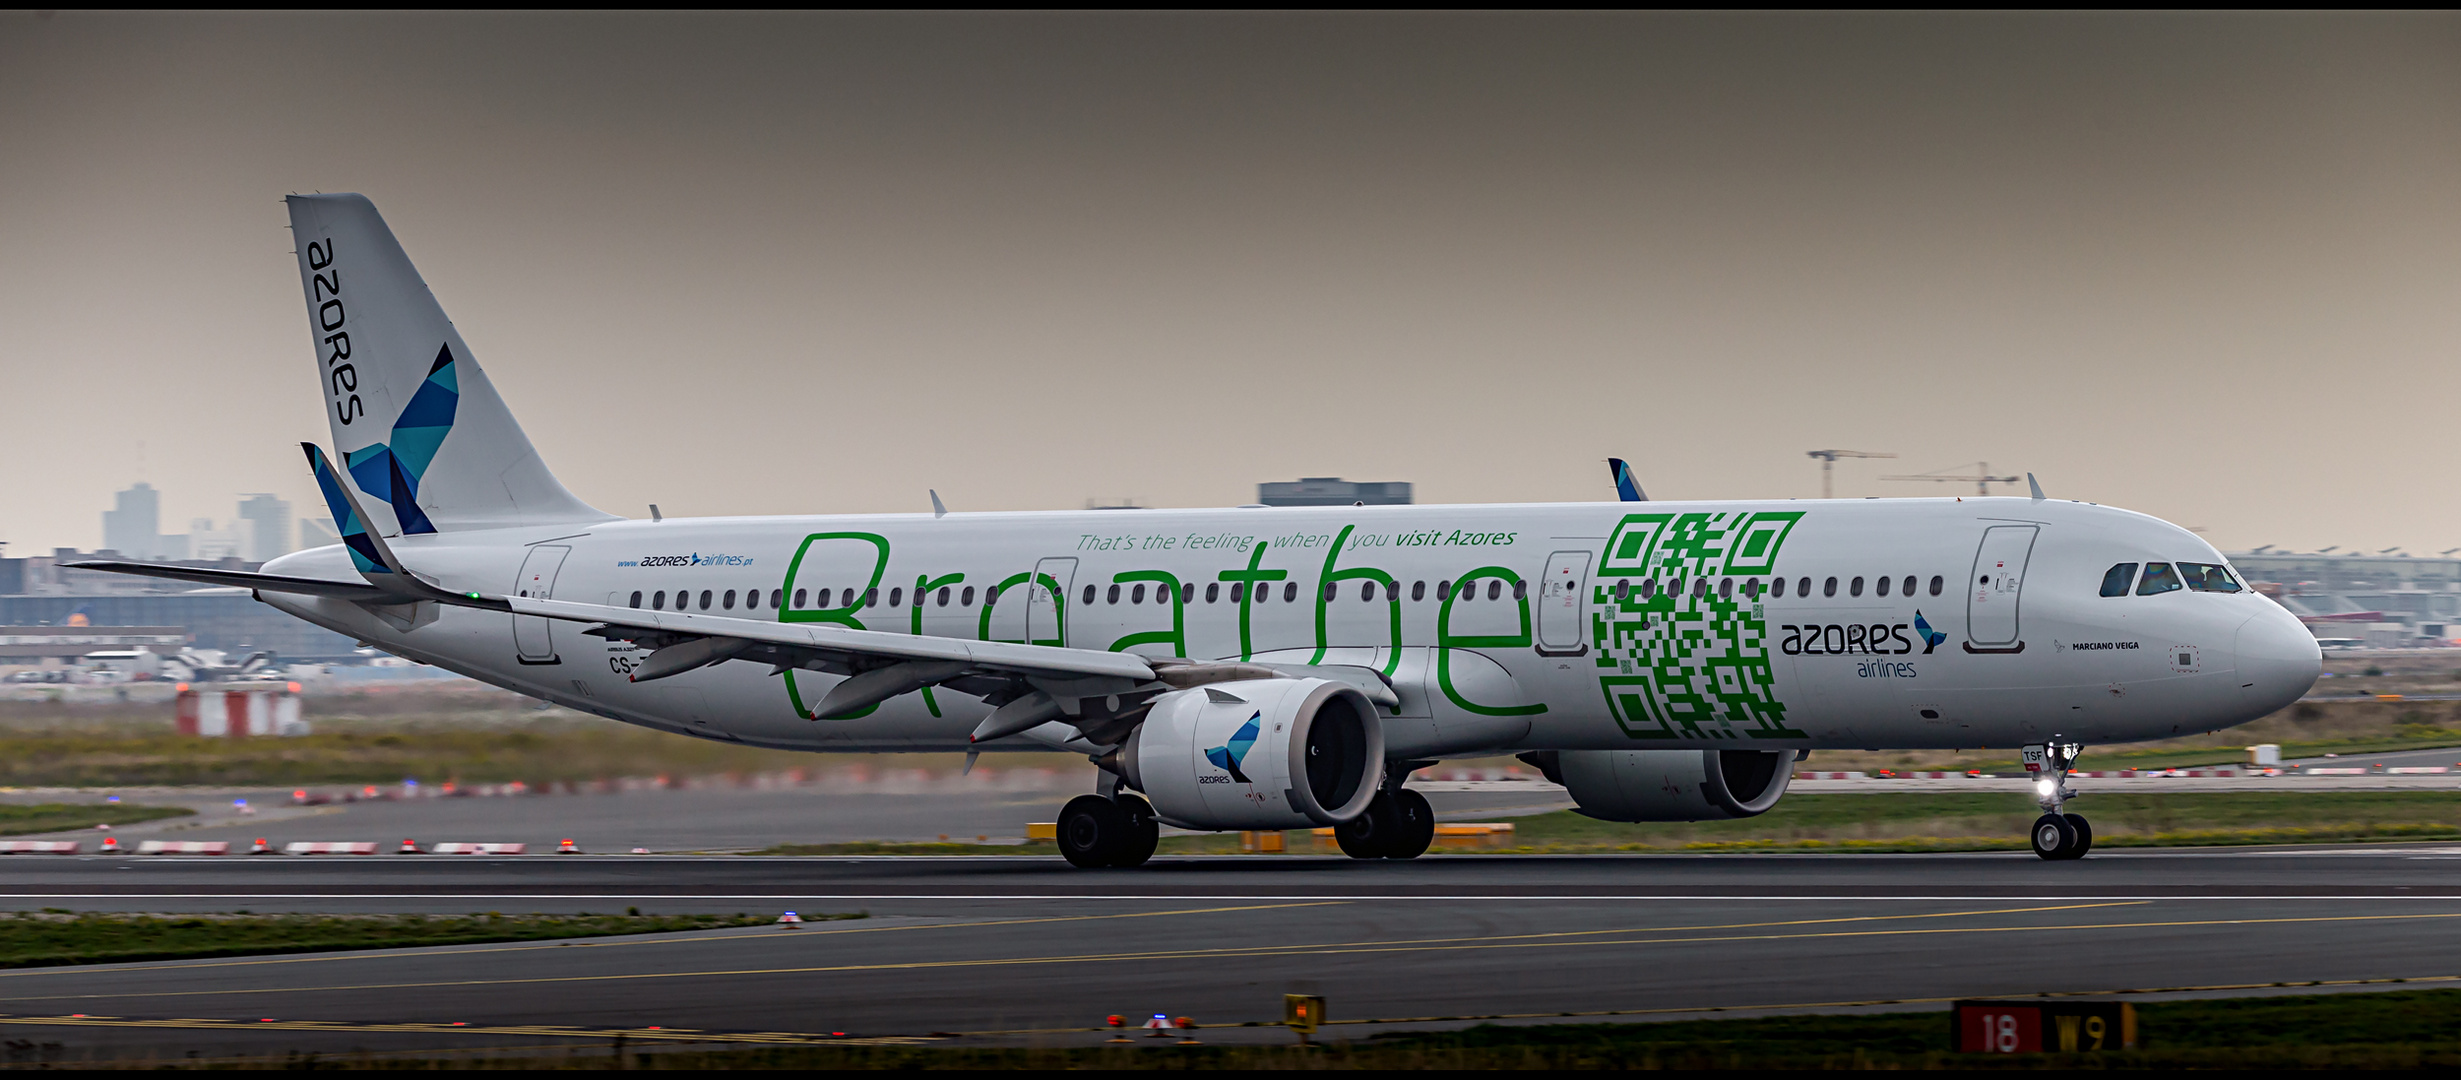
<point>417,424</point>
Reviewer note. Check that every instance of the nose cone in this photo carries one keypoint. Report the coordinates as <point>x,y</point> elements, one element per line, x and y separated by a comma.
<point>2278,661</point>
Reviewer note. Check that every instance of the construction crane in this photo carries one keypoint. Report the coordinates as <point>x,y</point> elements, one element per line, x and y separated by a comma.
<point>1981,477</point>
<point>1828,461</point>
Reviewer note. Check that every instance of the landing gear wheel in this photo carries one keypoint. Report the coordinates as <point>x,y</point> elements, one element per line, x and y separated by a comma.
<point>1371,835</point>
<point>2053,837</point>
<point>2084,835</point>
<point>1093,830</point>
<point>1142,833</point>
<point>1416,823</point>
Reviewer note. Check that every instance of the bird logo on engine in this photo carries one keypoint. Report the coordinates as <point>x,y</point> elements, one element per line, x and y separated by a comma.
<point>1230,755</point>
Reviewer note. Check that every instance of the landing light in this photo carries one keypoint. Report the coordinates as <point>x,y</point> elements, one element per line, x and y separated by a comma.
<point>2045,786</point>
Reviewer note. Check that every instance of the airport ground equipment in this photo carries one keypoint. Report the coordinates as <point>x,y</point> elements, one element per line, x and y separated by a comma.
<point>1249,668</point>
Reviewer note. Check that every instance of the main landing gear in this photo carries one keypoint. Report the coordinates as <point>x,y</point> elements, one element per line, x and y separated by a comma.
<point>2056,834</point>
<point>1398,824</point>
<point>1098,831</point>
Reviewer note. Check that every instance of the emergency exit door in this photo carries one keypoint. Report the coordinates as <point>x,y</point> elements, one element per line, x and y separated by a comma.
<point>1561,629</point>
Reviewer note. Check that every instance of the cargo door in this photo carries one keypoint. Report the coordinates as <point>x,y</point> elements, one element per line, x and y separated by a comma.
<point>1996,587</point>
<point>532,637</point>
<point>1561,629</point>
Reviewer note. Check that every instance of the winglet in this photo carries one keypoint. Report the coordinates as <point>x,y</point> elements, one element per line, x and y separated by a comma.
<point>2034,484</point>
<point>367,550</point>
<point>937,510</point>
<point>1626,488</point>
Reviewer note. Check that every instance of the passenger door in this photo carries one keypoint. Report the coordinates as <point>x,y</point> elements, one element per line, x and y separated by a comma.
<point>1560,593</point>
<point>1996,586</point>
<point>531,637</point>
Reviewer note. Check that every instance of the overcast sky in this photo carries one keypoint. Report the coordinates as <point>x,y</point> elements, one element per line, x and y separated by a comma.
<point>2208,267</point>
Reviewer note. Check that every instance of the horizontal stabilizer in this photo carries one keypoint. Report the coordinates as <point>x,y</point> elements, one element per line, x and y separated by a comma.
<point>340,590</point>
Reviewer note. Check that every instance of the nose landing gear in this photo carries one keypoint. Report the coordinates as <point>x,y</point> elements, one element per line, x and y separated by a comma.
<point>2056,834</point>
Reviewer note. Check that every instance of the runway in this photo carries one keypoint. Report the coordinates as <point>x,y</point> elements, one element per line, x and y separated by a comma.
<point>1026,950</point>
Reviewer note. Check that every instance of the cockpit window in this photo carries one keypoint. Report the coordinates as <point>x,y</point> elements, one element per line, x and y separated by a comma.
<point>2115,581</point>
<point>2206,577</point>
<point>2159,578</point>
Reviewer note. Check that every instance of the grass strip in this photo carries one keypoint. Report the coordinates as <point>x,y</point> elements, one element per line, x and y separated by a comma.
<point>2394,1029</point>
<point>24,818</point>
<point>53,937</point>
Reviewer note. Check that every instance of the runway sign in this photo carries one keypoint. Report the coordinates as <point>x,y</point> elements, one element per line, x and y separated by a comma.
<point>2034,1027</point>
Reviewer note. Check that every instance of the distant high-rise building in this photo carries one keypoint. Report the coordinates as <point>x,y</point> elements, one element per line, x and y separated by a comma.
<point>270,538</point>
<point>1332,491</point>
<point>133,527</point>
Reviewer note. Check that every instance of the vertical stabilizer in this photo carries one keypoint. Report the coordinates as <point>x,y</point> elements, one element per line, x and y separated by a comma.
<point>419,428</point>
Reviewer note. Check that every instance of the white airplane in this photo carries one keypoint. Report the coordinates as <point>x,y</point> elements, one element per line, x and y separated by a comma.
<point>1256,668</point>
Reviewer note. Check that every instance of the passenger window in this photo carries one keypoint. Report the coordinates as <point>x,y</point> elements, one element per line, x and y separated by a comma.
<point>777,598</point>
<point>1649,588</point>
<point>1418,590</point>
<point>1137,595</point>
<point>897,596</point>
<point>1726,588</point>
<point>636,598</point>
<point>1332,591</point>
<point>1444,590</point>
<point>2159,578</point>
<point>1623,591</point>
<point>729,603</point>
<point>1392,592</point>
<point>1751,588</point>
<point>991,595</point>
<point>1239,591</point>
<point>1700,588</point>
<point>1290,592</point>
<point>1777,587</point>
<point>1520,589</point>
<point>1829,587</point>
<point>871,597</point>
<point>1938,583</point>
<point>1908,587</point>
<point>1089,594</point>
<point>965,598</point>
<point>1213,592</point>
<point>1881,588</point>
<point>1495,589</point>
<point>1855,589</point>
<point>658,600</point>
<point>704,599</point>
<point>2115,581</point>
<point>1367,591</point>
<point>800,596</point>
<point>2207,577</point>
<point>1187,593</point>
<point>943,598</point>
<point>1112,598</point>
<point>1803,587</point>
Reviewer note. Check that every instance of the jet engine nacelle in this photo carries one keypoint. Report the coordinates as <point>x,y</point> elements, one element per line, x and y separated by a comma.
<point>1260,754</point>
<point>1673,785</point>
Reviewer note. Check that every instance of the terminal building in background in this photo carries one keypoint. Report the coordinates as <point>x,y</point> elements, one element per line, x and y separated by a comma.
<point>2385,600</point>
<point>1332,491</point>
<point>38,592</point>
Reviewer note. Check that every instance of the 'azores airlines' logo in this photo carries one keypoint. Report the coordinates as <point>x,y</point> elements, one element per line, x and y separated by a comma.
<point>1229,756</point>
<point>391,470</point>
<point>1931,638</point>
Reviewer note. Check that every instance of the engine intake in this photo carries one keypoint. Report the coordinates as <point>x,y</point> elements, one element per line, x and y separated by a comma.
<point>1258,754</point>
<point>1668,785</point>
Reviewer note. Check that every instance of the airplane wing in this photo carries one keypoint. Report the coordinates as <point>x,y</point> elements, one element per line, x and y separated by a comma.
<point>341,590</point>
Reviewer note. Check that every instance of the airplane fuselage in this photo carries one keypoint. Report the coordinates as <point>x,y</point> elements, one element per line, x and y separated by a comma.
<point>1903,623</point>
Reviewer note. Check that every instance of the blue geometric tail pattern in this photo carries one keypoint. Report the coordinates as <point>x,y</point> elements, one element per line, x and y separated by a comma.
<point>354,531</point>
<point>391,470</point>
